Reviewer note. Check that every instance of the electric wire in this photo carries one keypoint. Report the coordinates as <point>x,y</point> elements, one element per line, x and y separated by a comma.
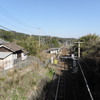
<point>6,14</point>
<point>5,28</point>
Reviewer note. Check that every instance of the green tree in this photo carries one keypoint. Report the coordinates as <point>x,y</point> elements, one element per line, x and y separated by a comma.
<point>90,41</point>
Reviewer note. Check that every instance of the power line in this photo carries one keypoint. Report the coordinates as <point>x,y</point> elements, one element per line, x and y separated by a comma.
<point>5,28</point>
<point>15,25</point>
<point>7,14</point>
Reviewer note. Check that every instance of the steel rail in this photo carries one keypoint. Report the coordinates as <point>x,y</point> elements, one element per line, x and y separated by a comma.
<point>58,85</point>
<point>86,82</point>
<point>57,88</point>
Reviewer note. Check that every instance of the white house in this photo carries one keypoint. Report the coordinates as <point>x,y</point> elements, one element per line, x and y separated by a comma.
<point>10,54</point>
<point>53,50</point>
<point>18,51</point>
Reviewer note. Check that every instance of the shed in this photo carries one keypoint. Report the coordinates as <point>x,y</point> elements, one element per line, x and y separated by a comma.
<point>19,52</point>
<point>6,60</point>
<point>53,50</point>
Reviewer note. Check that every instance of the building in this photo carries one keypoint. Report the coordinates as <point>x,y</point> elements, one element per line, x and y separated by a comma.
<point>53,50</point>
<point>10,54</point>
<point>6,60</point>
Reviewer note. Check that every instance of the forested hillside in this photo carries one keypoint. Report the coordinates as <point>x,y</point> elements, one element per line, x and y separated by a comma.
<point>31,43</point>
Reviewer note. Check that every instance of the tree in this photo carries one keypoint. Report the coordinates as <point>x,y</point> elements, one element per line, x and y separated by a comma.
<point>90,41</point>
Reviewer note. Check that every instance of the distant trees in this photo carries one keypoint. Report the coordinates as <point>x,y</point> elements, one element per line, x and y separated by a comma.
<point>53,42</point>
<point>12,35</point>
<point>6,35</point>
<point>31,44</point>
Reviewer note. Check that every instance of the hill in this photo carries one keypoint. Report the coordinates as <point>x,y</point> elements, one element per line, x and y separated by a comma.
<point>34,43</point>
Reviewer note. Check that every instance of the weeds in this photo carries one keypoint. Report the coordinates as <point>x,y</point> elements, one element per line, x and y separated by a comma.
<point>50,73</point>
<point>18,84</point>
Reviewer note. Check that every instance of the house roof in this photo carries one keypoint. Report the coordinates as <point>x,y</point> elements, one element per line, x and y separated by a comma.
<point>4,54</point>
<point>13,46</point>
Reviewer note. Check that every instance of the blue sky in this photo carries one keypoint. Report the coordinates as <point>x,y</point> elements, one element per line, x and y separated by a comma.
<point>62,18</point>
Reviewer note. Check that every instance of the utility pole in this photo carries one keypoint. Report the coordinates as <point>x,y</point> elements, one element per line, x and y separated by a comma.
<point>79,47</point>
<point>39,36</point>
<point>39,41</point>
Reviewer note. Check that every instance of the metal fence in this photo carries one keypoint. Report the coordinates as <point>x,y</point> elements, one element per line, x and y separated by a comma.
<point>31,60</point>
<point>24,63</point>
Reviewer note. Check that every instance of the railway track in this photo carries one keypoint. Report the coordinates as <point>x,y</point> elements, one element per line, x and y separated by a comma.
<point>60,92</point>
<point>73,86</point>
<point>73,83</point>
<point>86,83</point>
<point>82,86</point>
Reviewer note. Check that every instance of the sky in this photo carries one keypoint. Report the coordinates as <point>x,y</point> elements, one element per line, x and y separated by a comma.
<point>61,18</point>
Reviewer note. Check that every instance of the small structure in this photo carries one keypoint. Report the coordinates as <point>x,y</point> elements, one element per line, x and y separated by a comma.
<point>6,60</point>
<point>53,50</point>
<point>18,51</point>
<point>10,54</point>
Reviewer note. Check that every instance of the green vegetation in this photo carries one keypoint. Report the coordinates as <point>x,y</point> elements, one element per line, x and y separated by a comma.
<point>11,35</point>
<point>90,51</point>
<point>31,43</point>
<point>19,84</point>
<point>50,72</point>
<point>90,46</point>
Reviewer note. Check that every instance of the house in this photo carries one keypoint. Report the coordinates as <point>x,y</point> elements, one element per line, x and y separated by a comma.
<point>10,54</point>
<point>53,50</point>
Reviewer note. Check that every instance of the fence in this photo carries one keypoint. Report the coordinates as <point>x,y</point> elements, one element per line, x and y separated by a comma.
<point>31,60</point>
<point>23,63</point>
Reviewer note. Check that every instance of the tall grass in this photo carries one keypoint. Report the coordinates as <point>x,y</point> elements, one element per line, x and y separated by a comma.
<point>19,83</point>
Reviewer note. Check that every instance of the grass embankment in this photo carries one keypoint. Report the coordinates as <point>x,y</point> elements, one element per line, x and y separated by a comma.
<point>23,83</point>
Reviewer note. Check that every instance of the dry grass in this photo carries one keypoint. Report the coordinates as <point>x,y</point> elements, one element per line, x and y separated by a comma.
<point>20,83</point>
